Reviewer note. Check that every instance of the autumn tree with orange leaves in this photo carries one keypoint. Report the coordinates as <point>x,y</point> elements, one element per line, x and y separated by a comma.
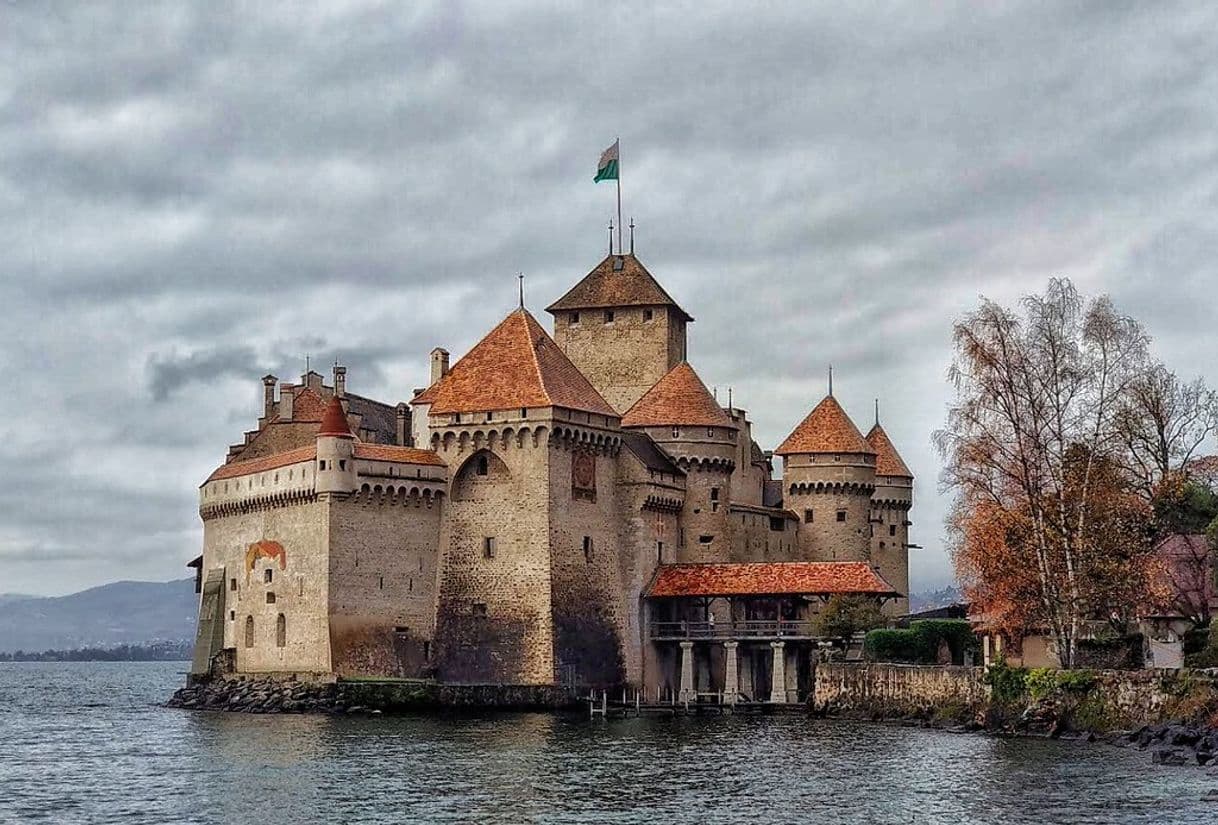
<point>1049,531</point>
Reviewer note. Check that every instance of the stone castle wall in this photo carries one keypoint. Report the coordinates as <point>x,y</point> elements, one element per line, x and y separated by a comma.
<point>890,539</point>
<point>493,619</point>
<point>624,358</point>
<point>384,547</point>
<point>816,489</point>
<point>299,584</point>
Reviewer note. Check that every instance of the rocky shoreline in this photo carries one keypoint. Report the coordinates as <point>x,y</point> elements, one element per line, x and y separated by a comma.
<point>291,694</point>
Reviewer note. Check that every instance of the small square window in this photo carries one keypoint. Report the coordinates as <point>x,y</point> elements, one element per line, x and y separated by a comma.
<point>647,315</point>
<point>489,546</point>
<point>892,529</point>
<point>704,539</point>
<point>268,575</point>
<point>777,524</point>
<point>608,316</point>
<point>524,412</point>
<point>490,416</point>
<point>342,464</point>
<point>841,515</point>
<point>478,609</point>
<point>807,516</point>
<point>270,598</point>
<point>575,317</point>
<point>321,465</point>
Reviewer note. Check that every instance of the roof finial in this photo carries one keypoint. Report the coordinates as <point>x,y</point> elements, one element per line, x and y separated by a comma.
<point>308,368</point>
<point>729,399</point>
<point>877,412</point>
<point>520,276</point>
<point>611,236</point>
<point>715,392</point>
<point>631,234</point>
<point>830,380</point>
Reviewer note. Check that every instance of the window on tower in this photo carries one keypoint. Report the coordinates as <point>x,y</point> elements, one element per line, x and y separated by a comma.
<point>574,317</point>
<point>647,315</point>
<point>807,516</point>
<point>841,515</point>
<point>892,529</point>
<point>608,316</point>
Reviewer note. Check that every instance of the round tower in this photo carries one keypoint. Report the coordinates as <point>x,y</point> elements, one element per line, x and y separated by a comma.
<point>828,476</point>
<point>890,505</point>
<point>335,451</point>
<point>683,418</point>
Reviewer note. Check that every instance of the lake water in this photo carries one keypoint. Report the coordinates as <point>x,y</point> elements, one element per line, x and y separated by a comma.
<point>88,742</point>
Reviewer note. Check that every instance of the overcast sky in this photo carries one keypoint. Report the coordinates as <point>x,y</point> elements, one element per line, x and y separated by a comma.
<point>193,195</point>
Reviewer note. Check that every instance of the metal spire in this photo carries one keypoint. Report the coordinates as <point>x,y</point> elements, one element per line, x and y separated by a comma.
<point>830,380</point>
<point>877,412</point>
<point>611,236</point>
<point>631,234</point>
<point>520,276</point>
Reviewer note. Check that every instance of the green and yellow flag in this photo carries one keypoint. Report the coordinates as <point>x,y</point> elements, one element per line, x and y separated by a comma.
<point>607,168</point>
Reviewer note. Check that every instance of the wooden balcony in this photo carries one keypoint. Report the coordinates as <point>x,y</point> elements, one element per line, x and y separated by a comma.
<point>760,630</point>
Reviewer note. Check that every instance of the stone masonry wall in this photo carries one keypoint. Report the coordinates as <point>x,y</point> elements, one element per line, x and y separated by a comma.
<point>825,487</point>
<point>625,358</point>
<point>493,621</point>
<point>383,554</point>
<point>299,587</point>
<point>896,690</point>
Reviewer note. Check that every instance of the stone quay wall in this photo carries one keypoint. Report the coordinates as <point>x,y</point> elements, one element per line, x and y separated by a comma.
<point>891,690</point>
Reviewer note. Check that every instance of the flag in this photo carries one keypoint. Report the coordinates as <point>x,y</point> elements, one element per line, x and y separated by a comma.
<point>607,168</point>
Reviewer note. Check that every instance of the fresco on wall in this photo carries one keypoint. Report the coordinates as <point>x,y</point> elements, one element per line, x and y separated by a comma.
<point>583,476</point>
<point>271,550</point>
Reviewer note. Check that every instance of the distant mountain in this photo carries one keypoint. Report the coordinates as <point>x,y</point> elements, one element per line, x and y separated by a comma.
<point>930,599</point>
<point>113,614</point>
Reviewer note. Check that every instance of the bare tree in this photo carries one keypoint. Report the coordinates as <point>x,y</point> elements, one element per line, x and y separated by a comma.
<point>1033,432</point>
<point>1162,422</point>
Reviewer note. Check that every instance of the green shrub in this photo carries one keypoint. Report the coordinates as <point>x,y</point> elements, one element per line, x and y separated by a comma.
<point>894,646</point>
<point>919,644</point>
<point>1044,682</point>
<point>1008,685</point>
<point>844,616</point>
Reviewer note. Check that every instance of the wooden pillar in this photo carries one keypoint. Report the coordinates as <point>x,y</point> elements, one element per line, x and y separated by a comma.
<point>731,672</point>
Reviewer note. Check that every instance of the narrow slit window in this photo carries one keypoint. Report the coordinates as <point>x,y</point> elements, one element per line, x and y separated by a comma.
<point>489,547</point>
<point>587,548</point>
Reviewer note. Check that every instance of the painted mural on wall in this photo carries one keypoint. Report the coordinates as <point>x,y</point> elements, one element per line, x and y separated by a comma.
<point>583,476</point>
<point>271,550</point>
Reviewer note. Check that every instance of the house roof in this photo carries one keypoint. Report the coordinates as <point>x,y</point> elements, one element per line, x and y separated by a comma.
<point>334,420</point>
<point>650,454</point>
<point>888,461</point>
<point>679,397</point>
<point>768,578</point>
<point>390,452</point>
<point>516,365</point>
<point>617,281</point>
<point>827,429</point>
<point>308,405</point>
<point>233,469</point>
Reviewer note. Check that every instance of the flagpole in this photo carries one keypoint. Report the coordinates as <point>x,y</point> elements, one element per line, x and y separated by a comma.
<point>619,195</point>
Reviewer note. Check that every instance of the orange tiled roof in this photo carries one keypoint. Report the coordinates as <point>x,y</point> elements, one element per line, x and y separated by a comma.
<point>887,460</point>
<point>334,420</point>
<point>261,465</point>
<point>617,281</point>
<point>679,397</point>
<point>308,405</point>
<point>827,429</point>
<point>768,578</point>
<point>389,452</point>
<point>427,395</point>
<point>516,365</point>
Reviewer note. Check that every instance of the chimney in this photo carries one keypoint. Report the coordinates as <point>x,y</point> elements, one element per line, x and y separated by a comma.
<point>268,395</point>
<point>403,434</point>
<point>340,381</point>
<point>287,399</point>
<point>439,364</point>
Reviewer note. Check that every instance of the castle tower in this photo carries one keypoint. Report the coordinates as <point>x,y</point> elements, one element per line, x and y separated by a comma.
<point>335,450</point>
<point>828,476</point>
<point>528,589</point>
<point>621,329</point>
<point>681,416</point>
<point>890,505</point>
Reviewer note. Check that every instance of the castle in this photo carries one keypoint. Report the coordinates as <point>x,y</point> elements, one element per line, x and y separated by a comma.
<point>574,509</point>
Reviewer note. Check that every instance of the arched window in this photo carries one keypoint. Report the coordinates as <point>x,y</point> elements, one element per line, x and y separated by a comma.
<point>249,631</point>
<point>281,631</point>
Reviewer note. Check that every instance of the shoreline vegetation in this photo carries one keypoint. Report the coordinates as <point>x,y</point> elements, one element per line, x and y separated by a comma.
<point>177,651</point>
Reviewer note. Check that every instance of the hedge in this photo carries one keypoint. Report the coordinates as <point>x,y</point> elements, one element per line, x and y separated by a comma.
<point>920,643</point>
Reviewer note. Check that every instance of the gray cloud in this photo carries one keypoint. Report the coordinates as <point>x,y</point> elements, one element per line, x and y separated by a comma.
<point>201,193</point>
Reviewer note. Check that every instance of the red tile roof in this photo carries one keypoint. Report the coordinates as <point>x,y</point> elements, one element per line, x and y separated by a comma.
<point>389,452</point>
<point>768,578</point>
<point>334,421</point>
<point>887,460</point>
<point>516,365</point>
<point>260,465</point>
<point>617,281</point>
<point>308,405</point>
<point>827,429</point>
<point>679,397</point>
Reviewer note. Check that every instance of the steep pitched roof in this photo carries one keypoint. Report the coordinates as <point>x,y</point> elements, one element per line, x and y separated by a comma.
<point>516,365</point>
<point>679,397</point>
<point>650,454</point>
<point>260,465</point>
<point>768,578</point>
<point>887,460</point>
<point>334,420</point>
<point>617,281</point>
<point>308,405</point>
<point>827,429</point>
